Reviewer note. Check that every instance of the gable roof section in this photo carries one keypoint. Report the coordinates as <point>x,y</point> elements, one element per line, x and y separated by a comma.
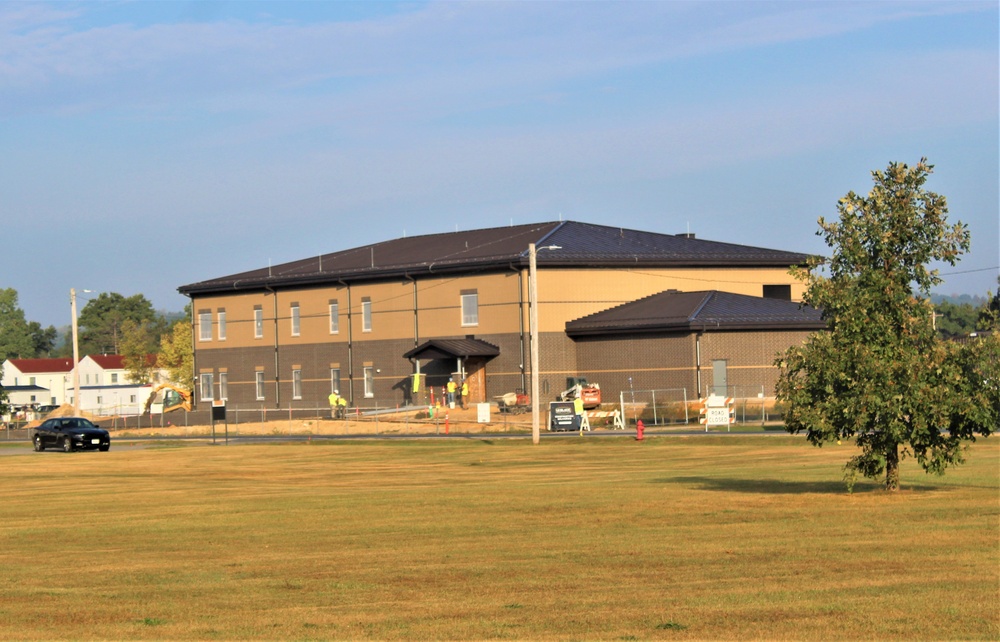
<point>673,311</point>
<point>108,361</point>
<point>43,366</point>
<point>452,349</point>
<point>580,245</point>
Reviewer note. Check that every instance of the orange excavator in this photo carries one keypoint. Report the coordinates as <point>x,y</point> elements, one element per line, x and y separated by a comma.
<point>172,397</point>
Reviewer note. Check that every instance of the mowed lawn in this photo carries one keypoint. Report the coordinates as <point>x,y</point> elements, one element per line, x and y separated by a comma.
<point>673,538</point>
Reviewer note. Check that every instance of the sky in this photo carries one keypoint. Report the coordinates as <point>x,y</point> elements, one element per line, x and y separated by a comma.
<point>148,145</point>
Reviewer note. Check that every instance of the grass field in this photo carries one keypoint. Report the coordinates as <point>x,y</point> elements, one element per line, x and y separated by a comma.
<point>674,538</point>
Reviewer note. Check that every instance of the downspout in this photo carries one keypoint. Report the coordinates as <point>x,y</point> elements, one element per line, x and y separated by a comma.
<point>350,343</point>
<point>697,359</point>
<point>194,359</point>
<point>520,321</point>
<point>416,339</point>
<point>277,375</point>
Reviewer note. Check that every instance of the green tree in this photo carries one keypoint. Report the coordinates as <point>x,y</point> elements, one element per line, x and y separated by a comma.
<point>15,335</point>
<point>139,362</point>
<point>44,339</point>
<point>4,399</point>
<point>879,374</point>
<point>955,320</point>
<point>102,318</point>
<point>177,353</point>
<point>989,313</point>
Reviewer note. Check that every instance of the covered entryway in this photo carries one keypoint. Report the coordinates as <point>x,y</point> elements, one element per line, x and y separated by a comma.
<point>461,358</point>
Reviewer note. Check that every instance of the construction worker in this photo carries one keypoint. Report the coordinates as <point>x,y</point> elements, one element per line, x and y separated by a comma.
<point>337,404</point>
<point>451,392</point>
<point>578,413</point>
<point>465,393</point>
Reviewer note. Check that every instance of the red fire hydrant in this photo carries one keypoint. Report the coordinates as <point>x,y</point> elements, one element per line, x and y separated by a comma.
<point>639,428</point>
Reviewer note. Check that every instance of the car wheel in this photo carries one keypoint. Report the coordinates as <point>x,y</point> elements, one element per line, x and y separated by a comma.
<point>105,449</point>
<point>67,445</point>
<point>39,446</point>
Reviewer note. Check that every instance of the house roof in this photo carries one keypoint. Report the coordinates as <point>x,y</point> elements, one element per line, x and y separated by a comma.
<point>42,366</point>
<point>452,349</point>
<point>580,244</point>
<point>108,361</point>
<point>673,311</point>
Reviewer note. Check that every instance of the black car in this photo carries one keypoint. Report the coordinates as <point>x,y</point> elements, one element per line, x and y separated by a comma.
<point>70,433</point>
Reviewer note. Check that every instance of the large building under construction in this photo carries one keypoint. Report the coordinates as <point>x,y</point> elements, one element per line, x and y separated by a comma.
<point>380,323</point>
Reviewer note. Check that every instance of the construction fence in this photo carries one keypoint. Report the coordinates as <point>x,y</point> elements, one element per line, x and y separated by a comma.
<point>676,406</point>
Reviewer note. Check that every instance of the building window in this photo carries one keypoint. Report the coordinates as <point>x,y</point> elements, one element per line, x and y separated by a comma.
<point>260,386</point>
<point>366,315</point>
<point>114,377</point>
<point>131,398</point>
<point>222,325</point>
<point>334,379</point>
<point>31,381</point>
<point>295,319</point>
<point>470,308</point>
<point>206,386</point>
<point>780,292</point>
<point>204,326</point>
<point>258,323</point>
<point>296,384</point>
<point>369,382</point>
<point>223,385</point>
<point>334,317</point>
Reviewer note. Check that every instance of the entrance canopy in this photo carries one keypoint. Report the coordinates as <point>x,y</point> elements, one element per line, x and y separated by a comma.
<point>453,349</point>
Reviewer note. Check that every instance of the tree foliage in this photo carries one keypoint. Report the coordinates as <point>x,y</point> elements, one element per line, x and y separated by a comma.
<point>879,374</point>
<point>955,319</point>
<point>4,399</point>
<point>15,334</point>
<point>177,353</point>
<point>136,355</point>
<point>101,322</point>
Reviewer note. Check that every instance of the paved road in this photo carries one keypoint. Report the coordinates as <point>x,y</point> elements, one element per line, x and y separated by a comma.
<point>21,444</point>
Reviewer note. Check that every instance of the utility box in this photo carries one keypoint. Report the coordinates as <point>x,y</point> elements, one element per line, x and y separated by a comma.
<point>561,416</point>
<point>483,413</point>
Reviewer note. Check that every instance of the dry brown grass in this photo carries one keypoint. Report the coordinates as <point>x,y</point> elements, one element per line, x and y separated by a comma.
<point>671,539</point>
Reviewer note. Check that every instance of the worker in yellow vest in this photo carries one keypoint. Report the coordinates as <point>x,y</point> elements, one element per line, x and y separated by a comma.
<point>451,392</point>
<point>465,393</point>
<point>578,412</point>
<point>338,405</point>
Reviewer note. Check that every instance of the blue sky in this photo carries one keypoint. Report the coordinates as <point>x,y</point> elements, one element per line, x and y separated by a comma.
<point>147,145</point>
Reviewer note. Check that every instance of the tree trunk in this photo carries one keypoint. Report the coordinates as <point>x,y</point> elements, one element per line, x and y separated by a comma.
<point>892,468</point>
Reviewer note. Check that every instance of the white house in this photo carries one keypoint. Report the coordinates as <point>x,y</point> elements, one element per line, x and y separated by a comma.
<point>105,387</point>
<point>42,382</point>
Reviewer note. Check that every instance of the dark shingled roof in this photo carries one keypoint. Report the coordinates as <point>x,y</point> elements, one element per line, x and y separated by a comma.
<point>674,311</point>
<point>452,348</point>
<point>580,245</point>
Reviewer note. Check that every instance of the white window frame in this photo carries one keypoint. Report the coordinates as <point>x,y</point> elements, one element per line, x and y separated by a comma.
<point>222,325</point>
<point>296,384</point>
<point>259,384</point>
<point>334,379</point>
<point>366,315</point>
<point>223,385</point>
<point>258,323</point>
<point>369,382</point>
<point>334,317</point>
<point>114,378</point>
<point>296,321</point>
<point>207,380</point>
<point>470,309</point>
<point>204,326</point>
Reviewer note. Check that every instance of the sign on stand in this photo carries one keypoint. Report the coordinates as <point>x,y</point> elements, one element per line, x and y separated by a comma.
<point>717,411</point>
